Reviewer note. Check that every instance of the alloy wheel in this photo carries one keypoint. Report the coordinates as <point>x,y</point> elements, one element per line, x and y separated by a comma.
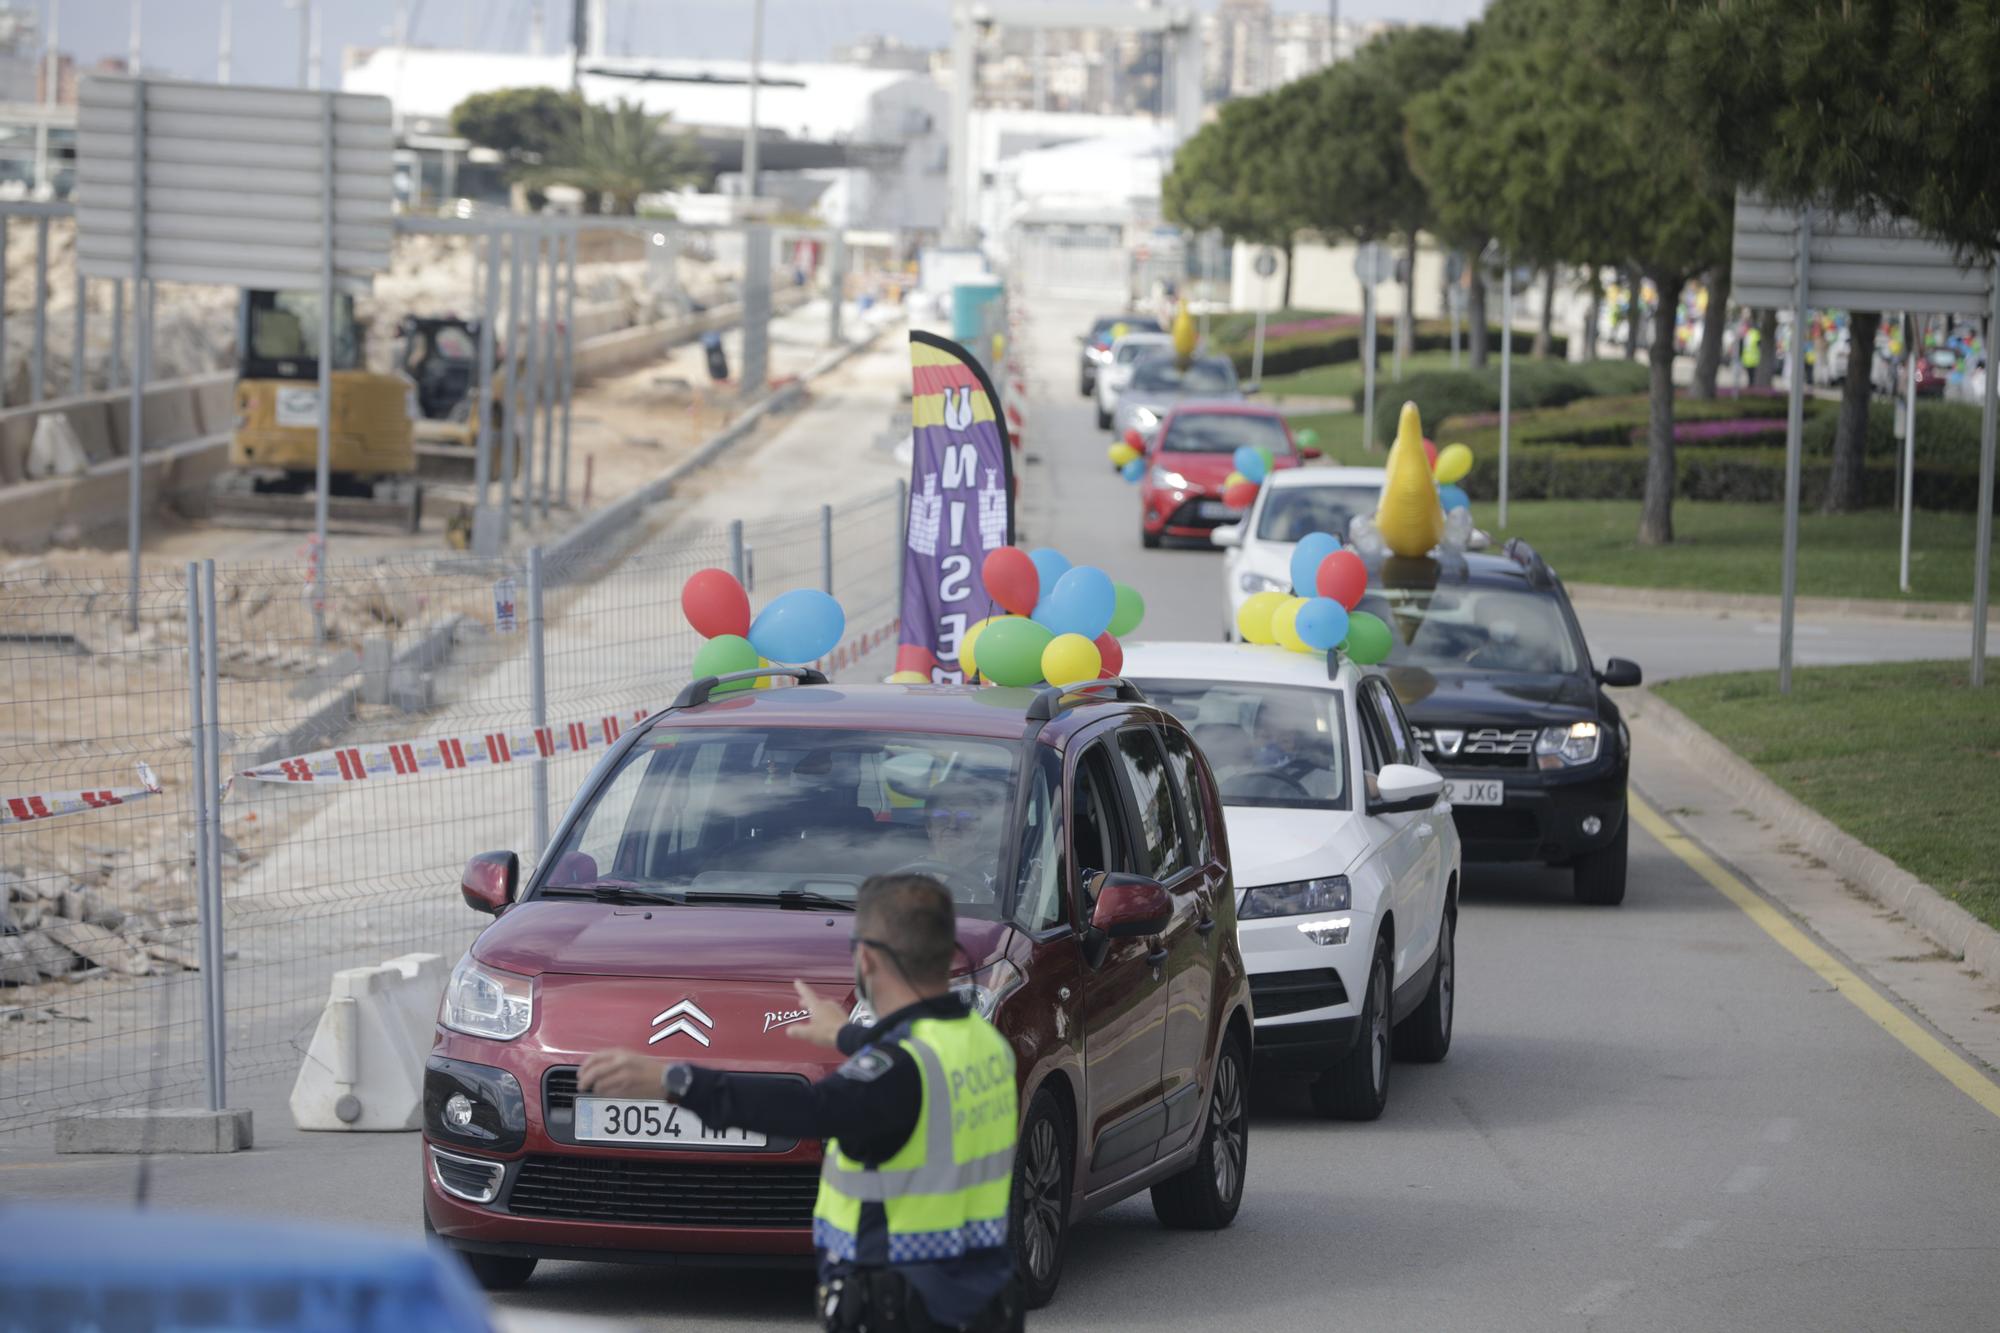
<point>1040,1201</point>
<point>1227,1114</point>
<point>1378,1031</point>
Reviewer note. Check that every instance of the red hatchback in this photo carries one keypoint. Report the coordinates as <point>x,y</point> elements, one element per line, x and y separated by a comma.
<point>710,861</point>
<point>1191,454</point>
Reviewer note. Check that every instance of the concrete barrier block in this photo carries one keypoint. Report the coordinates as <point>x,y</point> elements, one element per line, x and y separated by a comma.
<point>215,405</point>
<point>365,1067</point>
<point>144,1130</point>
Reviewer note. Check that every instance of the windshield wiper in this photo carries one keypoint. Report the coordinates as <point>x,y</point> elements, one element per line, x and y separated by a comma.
<point>613,891</point>
<point>804,898</point>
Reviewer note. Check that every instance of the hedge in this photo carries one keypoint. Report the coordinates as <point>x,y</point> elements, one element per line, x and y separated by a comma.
<point>1440,394</point>
<point>1947,433</point>
<point>1623,420</point>
<point>1572,472</point>
<point>1288,355</point>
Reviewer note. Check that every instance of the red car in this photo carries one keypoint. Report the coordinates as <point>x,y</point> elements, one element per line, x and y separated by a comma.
<point>712,858</point>
<point>1190,455</point>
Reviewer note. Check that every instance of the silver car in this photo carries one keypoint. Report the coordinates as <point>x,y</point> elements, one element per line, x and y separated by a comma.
<point>1159,384</point>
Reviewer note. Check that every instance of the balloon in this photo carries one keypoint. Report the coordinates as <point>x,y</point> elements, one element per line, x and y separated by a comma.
<point>1306,438</point>
<point>1082,602</point>
<point>1184,333</point>
<point>1343,577</point>
<point>802,625</point>
<point>1011,579</point>
<point>1120,329</point>
<point>1051,564</point>
<point>966,660</point>
<point>1250,463</point>
<point>1011,650</point>
<point>1285,625</point>
<point>1253,618</point>
<point>1264,452</point>
<point>1070,659</point>
<point>1453,497</point>
<point>1240,496</point>
<point>1313,548</point>
<point>1121,453</point>
<point>1453,462</point>
<point>1129,610</point>
<point>1133,470</point>
<point>908,678</point>
<point>1431,456</point>
<point>715,603</point>
<point>1321,622</point>
<point>1135,439</point>
<point>723,654</point>
<point>1368,639</point>
<point>1408,517</point>
<point>1235,479</point>
<point>1111,654</point>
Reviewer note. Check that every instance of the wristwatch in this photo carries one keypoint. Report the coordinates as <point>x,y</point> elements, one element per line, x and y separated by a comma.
<point>677,1080</point>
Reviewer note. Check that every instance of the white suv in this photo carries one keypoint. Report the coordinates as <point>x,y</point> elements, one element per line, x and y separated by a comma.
<point>1116,371</point>
<point>1290,504</point>
<point>1344,856</point>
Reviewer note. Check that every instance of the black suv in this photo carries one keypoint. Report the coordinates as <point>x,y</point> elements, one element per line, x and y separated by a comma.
<point>1097,344</point>
<point>1492,668</point>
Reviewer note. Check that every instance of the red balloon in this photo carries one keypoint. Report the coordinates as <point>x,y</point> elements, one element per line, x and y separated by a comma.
<point>1240,496</point>
<point>1431,453</point>
<point>1112,653</point>
<point>715,603</point>
<point>1136,440</point>
<point>1342,577</point>
<point>1011,580</point>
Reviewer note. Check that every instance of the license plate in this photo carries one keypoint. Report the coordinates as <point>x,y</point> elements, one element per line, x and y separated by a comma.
<point>608,1120</point>
<point>298,407</point>
<point>1215,509</point>
<point>1487,791</point>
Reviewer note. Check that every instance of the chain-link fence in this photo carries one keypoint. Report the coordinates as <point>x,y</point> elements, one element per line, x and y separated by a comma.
<point>452,706</point>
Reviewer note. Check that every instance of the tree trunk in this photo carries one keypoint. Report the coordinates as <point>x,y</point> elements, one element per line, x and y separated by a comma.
<point>1591,319</point>
<point>1714,320</point>
<point>1544,333</point>
<point>1286,302</point>
<point>1406,328</point>
<point>1767,349</point>
<point>1633,305</point>
<point>1475,313</point>
<point>1656,515</point>
<point>1850,433</point>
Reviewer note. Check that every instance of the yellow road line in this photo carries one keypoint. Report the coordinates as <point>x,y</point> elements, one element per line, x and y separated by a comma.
<point>1887,1016</point>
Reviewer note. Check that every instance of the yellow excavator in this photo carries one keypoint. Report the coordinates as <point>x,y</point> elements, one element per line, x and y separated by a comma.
<point>440,354</point>
<point>273,456</point>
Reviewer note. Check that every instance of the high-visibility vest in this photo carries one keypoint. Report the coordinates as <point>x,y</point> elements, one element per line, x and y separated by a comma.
<point>945,1191</point>
<point>1753,347</point>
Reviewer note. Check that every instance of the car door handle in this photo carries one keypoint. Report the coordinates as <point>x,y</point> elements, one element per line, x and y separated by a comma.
<point>1157,956</point>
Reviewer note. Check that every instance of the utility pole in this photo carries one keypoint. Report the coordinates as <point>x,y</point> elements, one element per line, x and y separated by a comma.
<point>304,8</point>
<point>579,38</point>
<point>750,134</point>
<point>132,50</point>
<point>51,75</point>
<point>314,64</point>
<point>535,28</point>
<point>222,44</point>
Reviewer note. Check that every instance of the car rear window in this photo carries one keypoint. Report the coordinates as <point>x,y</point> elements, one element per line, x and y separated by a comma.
<point>1209,375</point>
<point>1268,745</point>
<point>752,813</point>
<point>1290,512</point>
<point>1224,433</point>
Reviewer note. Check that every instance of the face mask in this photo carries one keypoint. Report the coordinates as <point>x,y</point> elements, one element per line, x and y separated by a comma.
<point>861,986</point>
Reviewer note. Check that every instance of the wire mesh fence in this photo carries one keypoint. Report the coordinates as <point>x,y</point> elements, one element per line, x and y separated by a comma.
<point>361,764</point>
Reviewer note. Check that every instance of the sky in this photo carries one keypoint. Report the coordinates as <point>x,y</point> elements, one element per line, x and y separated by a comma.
<point>179,37</point>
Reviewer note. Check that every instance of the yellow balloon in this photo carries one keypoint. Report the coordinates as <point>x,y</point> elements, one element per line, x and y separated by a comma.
<point>1285,625</point>
<point>1122,453</point>
<point>1253,618</point>
<point>1184,334</point>
<point>1409,518</point>
<point>1232,479</point>
<point>908,678</point>
<point>1454,461</point>
<point>1071,659</point>
<point>1120,330</point>
<point>965,642</point>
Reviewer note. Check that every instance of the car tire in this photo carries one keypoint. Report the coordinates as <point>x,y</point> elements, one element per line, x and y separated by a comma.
<point>1039,1225</point>
<point>1206,1195</point>
<point>1086,384</point>
<point>493,1272</point>
<point>1598,878</point>
<point>1103,419</point>
<point>1358,1087</point>
<point>1425,1036</point>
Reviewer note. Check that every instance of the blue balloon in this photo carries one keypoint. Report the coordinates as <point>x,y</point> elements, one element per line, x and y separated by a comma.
<point>800,626</point>
<point>1313,548</point>
<point>1250,463</point>
<point>1133,470</point>
<point>1322,623</point>
<point>1050,564</point>
<point>1082,602</point>
<point>1453,497</point>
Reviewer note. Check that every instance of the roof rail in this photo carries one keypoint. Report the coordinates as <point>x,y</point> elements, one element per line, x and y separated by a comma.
<point>698,691</point>
<point>1529,559</point>
<point>1049,699</point>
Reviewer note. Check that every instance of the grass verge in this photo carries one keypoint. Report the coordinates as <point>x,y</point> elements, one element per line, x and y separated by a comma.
<point>1897,755</point>
<point>1344,380</point>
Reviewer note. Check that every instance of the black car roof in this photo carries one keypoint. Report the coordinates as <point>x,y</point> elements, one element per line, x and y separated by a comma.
<point>1516,566</point>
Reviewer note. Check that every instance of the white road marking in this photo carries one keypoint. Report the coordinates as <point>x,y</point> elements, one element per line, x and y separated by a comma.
<point>1686,1234</point>
<point>1780,1130</point>
<point>1744,1179</point>
<point>1599,1298</point>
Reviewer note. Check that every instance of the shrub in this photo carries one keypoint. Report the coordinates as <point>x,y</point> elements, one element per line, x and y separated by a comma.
<point>1440,394</point>
<point>1947,433</point>
<point>1319,346</point>
<point>1623,420</point>
<point>1570,472</point>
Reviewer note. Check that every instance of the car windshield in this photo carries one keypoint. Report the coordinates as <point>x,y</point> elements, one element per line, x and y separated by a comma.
<point>1224,433</point>
<point>1476,629</point>
<point>1102,330</point>
<point>1126,351</point>
<point>1209,375</point>
<point>807,813</point>
<point>1270,745</point>
<point>1290,512</point>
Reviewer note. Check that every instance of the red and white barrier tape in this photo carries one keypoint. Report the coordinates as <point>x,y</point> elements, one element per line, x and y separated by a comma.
<point>53,804</point>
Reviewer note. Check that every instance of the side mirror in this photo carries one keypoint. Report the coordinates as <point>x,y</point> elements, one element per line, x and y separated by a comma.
<point>1308,452</point>
<point>490,881</point>
<point>1130,906</point>
<point>1620,672</point>
<point>1229,534</point>
<point>1404,787</point>
<point>1479,541</point>
<point>1252,388</point>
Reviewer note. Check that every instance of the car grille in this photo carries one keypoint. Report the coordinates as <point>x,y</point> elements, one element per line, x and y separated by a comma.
<point>1275,994</point>
<point>601,1189</point>
<point>559,1091</point>
<point>1483,747</point>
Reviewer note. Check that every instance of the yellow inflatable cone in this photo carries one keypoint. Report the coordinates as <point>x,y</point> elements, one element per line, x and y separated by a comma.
<point>1184,335</point>
<point>1409,518</point>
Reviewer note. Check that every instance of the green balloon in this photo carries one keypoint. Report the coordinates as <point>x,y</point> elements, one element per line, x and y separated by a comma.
<point>1010,651</point>
<point>1130,610</point>
<point>723,654</point>
<point>1264,452</point>
<point>1368,640</point>
<point>1307,437</point>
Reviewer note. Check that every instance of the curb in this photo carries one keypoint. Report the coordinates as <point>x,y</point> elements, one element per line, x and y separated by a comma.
<point>1948,925</point>
<point>1611,597</point>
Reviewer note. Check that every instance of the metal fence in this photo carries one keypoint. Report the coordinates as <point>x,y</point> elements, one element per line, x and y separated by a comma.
<point>129,925</point>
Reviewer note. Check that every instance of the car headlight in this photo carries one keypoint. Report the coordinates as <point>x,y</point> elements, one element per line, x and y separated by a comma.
<point>1250,582</point>
<point>485,1002</point>
<point>1145,418</point>
<point>1560,746</point>
<point>1169,479</point>
<point>1297,898</point>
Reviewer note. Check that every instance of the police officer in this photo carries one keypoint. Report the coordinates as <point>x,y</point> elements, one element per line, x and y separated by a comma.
<point>920,1123</point>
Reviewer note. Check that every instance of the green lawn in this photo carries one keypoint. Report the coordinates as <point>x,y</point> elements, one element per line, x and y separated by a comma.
<point>1344,379</point>
<point>1901,756</point>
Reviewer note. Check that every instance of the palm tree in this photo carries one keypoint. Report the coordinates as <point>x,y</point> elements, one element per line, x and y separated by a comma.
<point>619,153</point>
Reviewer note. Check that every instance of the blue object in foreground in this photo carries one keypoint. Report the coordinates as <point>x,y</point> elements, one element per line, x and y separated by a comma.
<point>65,1267</point>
